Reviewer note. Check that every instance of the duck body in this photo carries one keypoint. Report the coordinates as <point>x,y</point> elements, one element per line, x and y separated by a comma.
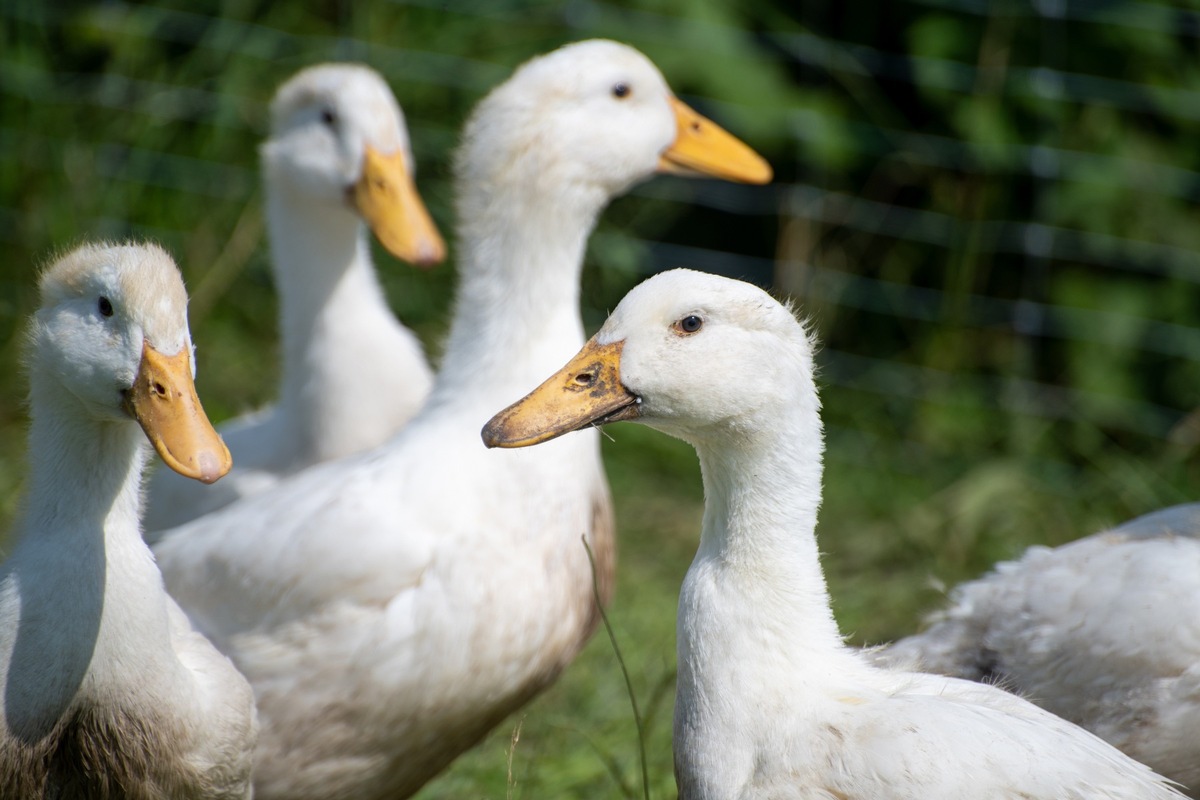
<point>1102,631</point>
<point>854,730</point>
<point>108,691</point>
<point>422,646</point>
<point>378,650</point>
<point>352,374</point>
<point>770,703</point>
<point>391,607</point>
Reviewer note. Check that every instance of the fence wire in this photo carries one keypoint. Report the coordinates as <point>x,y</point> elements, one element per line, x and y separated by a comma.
<point>896,217</point>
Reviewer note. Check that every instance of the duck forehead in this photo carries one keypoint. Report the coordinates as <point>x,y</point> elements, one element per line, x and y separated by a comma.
<point>159,305</point>
<point>601,52</point>
<point>669,296</point>
<point>73,274</point>
<point>379,122</point>
<point>150,290</point>
<point>649,306</point>
<point>357,94</point>
<point>140,280</point>
<point>315,84</point>
<point>367,105</point>
<point>685,289</point>
<point>576,68</point>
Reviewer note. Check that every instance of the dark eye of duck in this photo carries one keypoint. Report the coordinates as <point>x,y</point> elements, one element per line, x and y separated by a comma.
<point>328,117</point>
<point>689,324</point>
<point>105,306</point>
<point>621,91</point>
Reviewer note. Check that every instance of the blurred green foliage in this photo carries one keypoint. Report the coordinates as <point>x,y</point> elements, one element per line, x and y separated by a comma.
<point>988,211</point>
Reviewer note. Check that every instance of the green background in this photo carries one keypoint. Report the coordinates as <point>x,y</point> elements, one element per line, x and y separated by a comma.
<point>987,209</point>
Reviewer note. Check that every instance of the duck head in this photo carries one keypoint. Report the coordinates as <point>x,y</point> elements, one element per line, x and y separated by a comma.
<point>695,355</point>
<point>338,136</point>
<point>112,331</point>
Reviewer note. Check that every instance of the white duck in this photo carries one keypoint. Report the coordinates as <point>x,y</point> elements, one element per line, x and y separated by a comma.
<point>770,701</point>
<point>390,608</point>
<point>108,691</point>
<point>1104,631</point>
<point>352,375</point>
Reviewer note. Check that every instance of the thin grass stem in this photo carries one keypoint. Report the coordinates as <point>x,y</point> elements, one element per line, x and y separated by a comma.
<point>612,637</point>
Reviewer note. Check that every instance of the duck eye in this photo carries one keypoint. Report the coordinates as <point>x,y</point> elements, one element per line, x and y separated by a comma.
<point>689,324</point>
<point>328,117</point>
<point>621,91</point>
<point>105,306</point>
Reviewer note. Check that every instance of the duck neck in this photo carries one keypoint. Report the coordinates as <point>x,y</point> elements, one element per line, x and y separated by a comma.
<point>90,592</point>
<point>328,292</point>
<point>763,490</point>
<point>516,313</point>
<point>85,472</point>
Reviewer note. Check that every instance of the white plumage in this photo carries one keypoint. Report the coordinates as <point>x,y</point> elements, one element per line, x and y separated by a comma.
<point>770,702</point>
<point>352,376</point>
<point>108,691</point>
<point>1104,631</point>
<point>390,608</point>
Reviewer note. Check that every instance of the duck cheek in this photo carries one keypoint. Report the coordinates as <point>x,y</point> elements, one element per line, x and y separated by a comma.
<point>706,406</point>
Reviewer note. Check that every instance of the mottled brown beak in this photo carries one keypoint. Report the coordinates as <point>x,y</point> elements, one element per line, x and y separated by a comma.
<point>587,391</point>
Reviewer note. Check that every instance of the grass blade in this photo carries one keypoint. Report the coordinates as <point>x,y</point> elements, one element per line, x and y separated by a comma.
<point>612,637</point>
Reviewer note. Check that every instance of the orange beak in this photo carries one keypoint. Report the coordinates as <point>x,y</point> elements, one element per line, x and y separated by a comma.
<point>587,391</point>
<point>702,147</point>
<point>387,198</point>
<point>164,402</point>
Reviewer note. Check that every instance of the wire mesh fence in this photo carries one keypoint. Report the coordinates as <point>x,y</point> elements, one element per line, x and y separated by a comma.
<point>987,208</point>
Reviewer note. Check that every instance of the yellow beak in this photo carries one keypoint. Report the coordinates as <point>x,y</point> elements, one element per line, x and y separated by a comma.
<point>705,148</point>
<point>163,400</point>
<point>387,198</point>
<point>587,391</point>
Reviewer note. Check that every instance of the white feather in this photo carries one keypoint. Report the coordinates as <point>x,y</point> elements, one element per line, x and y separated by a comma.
<point>392,607</point>
<point>95,658</point>
<point>352,374</point>
<point>770,702</point>
<point>1104,631</point>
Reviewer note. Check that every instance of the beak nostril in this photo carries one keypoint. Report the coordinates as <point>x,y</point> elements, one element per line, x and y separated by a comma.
<point>585,379</point>
<point>159,389</point>
<point>696,127</point>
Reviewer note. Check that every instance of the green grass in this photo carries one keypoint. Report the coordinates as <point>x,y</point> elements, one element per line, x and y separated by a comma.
<point>579,738</point>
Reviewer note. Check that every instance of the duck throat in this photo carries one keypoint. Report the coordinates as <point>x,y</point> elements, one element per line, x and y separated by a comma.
<point>86,472</point>
<point>516,312</point>
<point>88,592</point>
<point>759,533</point>
<point>755,629</point>
<point>756,587</point>
<point>328,295</point>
